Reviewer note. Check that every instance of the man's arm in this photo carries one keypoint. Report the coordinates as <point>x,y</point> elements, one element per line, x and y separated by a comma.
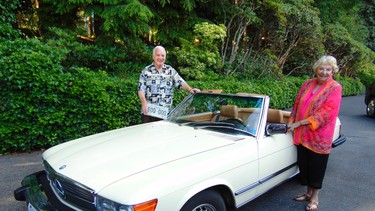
<point>142,97</point>
<point>186,87</point>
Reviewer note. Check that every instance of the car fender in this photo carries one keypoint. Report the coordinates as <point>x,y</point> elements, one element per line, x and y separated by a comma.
<point>189,192</point>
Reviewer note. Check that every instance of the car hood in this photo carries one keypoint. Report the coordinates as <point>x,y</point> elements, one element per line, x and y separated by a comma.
<point>105,158</point>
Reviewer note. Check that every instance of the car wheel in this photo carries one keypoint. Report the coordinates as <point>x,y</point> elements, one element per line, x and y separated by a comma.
<point>371,107</point>
<point>207,201</point>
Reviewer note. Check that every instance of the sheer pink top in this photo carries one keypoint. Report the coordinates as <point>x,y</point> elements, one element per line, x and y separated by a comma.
<point>321,109</point>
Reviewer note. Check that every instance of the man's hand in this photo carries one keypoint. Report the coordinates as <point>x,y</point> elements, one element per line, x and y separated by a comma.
<point>194,90</point>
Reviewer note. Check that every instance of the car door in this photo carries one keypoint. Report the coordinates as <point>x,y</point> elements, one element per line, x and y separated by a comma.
<point>277,160</point>
<point>244,178</point>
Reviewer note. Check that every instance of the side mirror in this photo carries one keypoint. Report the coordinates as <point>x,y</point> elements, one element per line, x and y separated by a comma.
<point>276,128</point>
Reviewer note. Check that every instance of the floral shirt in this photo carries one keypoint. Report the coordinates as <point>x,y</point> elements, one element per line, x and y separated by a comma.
<point>158,87</point>
<point>321,109</point>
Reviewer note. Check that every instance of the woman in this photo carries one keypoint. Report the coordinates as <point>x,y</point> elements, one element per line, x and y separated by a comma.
<point>312,120</point>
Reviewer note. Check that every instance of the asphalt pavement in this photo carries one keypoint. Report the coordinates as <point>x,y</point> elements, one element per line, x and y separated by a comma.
<point>13,168</point>
<point>349,184</point>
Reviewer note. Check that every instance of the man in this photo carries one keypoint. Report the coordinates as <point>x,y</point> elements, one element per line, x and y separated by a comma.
<point>156,84</point>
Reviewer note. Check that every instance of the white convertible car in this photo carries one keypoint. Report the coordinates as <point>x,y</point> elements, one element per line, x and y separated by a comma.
<point>213,152</point>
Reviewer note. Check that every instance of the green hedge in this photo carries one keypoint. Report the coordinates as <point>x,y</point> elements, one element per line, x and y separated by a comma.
<point>281,91</point>
<point>44,103</point>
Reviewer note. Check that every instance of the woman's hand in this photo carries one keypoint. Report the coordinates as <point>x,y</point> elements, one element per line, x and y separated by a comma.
<point>293,126</point>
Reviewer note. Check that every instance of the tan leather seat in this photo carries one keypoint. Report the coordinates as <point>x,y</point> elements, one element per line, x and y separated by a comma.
<point>275,116</point>
<point>228,112</point>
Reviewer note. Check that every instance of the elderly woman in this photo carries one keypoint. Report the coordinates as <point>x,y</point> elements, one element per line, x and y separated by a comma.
<point>312,120</point>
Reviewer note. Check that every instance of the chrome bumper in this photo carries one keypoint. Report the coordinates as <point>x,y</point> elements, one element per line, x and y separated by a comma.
<point>340,140</point>
<point>37,193</point>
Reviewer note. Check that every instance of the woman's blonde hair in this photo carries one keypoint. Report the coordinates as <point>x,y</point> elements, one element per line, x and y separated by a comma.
<point>330,60</point>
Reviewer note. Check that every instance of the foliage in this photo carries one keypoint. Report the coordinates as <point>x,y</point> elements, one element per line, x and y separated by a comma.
<point>112,59</point>
<point>350,86</point>
<point>45,104</point>
<point>281,91</point>
<point>367,74</point>
<point>194,60</point>
<point>8,19</point>
<point>368,14</point>
<point>298,40</point>
<point>264,65</point>
<point>346,34</point>
<point>286,37</point>
<point>237,48</point>
<point>353,55</point>
<point>345,13</point>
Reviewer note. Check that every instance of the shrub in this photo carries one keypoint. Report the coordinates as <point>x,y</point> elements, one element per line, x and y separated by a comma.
<point>281,91</point>
<point>350,86</point>
<point>43,104</point>
<point>8,19</point>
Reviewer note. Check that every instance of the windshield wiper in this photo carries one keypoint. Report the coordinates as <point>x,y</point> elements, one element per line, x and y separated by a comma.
<point>215,126</point>
<point>219,126</point>
<point>205,124</point>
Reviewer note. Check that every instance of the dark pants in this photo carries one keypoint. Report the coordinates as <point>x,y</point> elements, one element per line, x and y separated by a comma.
<point>312,167</point>
<point>147,118</point>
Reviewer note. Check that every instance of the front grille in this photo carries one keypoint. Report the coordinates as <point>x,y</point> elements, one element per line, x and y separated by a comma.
<point>70,191</point>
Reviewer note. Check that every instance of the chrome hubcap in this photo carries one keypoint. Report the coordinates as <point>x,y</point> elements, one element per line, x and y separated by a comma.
<point>371,107</point>
<point>205,207</point>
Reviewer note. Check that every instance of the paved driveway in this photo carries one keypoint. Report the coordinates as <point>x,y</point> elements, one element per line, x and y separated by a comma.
<point>12,170</point>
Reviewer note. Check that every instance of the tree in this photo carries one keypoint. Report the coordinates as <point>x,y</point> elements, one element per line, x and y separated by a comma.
<point>345,35</point>
<point>196,57</point>
<point>242,16</point>
<point>298,40</point>
<point>368,13</point>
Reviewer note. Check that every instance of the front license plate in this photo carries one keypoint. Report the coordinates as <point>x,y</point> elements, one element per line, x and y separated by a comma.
<point>157,111</point>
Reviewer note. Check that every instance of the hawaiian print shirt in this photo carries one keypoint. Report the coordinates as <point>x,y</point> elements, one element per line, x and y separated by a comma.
<point>158,87</point>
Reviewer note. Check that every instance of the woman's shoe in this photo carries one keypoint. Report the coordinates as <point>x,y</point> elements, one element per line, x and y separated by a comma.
<point>312,205</point>
<point>303,197</point>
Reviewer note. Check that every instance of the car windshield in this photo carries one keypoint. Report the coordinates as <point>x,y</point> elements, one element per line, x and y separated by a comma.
<point>220,112</point>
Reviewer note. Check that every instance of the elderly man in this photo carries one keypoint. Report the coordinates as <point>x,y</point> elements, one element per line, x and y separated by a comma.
<point>156,84</point>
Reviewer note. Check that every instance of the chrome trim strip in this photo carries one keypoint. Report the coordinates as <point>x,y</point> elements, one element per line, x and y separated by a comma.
<point>85,194</point>
<point>251,186</point>
<point>244,203</point>
<point>51,171</point>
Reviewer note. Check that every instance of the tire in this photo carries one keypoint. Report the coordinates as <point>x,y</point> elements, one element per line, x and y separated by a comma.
<point>205,201</point>
<point>370,108</point>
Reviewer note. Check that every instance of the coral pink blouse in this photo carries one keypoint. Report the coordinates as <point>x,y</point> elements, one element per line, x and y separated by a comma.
<point>321,110</point>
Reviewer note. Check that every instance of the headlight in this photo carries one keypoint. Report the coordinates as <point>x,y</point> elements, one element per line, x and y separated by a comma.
<point>104,204</point>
